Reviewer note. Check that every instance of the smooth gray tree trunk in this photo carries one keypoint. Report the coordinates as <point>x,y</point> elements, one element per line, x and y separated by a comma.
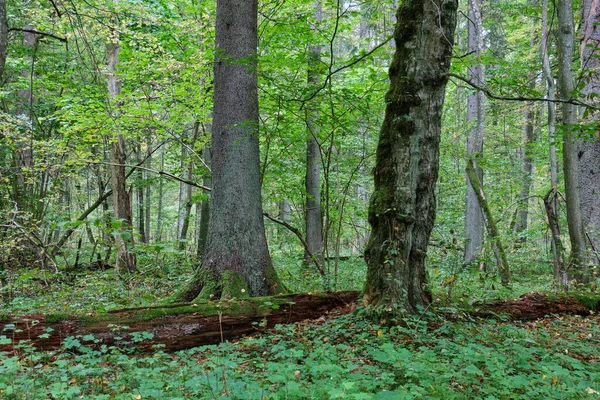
<point>402,208</point>
<point>570,158</point>
<point>474,226</point>
<point>237,261</point>
<point>552,204</point>
<point>313,214</point>
<point>589,147</point>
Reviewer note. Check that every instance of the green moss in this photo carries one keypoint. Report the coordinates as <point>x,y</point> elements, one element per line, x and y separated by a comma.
<point>57,317</point>
<point>590,300</point>
<point>234,285</point>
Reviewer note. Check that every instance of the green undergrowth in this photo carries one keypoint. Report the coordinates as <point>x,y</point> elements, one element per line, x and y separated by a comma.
<point>346,357</point>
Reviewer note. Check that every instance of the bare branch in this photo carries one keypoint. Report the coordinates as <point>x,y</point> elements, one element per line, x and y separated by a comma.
<point>38,33</point>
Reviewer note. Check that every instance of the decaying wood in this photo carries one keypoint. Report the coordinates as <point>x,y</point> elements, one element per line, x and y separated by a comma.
<point>533,306</point>
<point>180,326</point>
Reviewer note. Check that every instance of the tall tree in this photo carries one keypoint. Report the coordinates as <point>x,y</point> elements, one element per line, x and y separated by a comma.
<point>126,259</point>
<point>589,148</point>
<point>3,36</point>
<point>313,215</point>
<point>475,117</point>
<point>236,261</point>
<point>402,208</point>
<point>569,114</point>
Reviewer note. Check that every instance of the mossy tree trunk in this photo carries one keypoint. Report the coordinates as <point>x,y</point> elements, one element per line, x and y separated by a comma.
<point>236,261</point>
<point>402,208</point>
<point>499,253</point>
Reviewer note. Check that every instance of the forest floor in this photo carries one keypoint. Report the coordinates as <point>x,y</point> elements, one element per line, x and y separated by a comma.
<point>445,352</point>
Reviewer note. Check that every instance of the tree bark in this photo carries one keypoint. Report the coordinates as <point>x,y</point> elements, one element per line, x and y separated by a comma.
<point>402,208</point>
<point>475,119</point>
<point>570,158</point>
<point>205,207</point>
<point>159,211</point>
<point>551,94</point>
<point>527,170</point>
<point>186,191</point>
<point>499,253</point>
<point>3,37</point>
<point>237,258</point>
<point>313,214</point>
<point>558,250</point>
<point>589,147</point>
<point>180,326</point>
<point>126,260</point>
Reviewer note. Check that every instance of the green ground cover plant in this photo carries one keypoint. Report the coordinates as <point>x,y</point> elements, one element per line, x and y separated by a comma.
<point>347,357</point>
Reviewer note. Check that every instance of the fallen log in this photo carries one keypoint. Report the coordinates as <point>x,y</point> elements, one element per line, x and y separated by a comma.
<point>532,306</point>
<point>174,327</point>
<point>182,326</point>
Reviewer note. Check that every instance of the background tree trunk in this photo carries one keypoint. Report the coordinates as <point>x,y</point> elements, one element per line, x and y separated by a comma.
<point>313,214</point>
<point>3,37</point>
<point>589,148</point>
<point>557,247</point>
<point>475,118</point>
<point>185,193</point>
<point>569,114</point>
<point>205,207</point>
<point>236,236</point>
<point>126,259</point>
<point>402,208</point>
<point>527,169</point>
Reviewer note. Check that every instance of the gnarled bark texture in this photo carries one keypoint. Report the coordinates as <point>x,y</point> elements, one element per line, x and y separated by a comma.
<point>237,243</point>
<point>402,208</point>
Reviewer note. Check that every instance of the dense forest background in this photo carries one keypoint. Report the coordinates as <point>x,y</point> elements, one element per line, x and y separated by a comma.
<point>58,123</point>
<point>107,114</point>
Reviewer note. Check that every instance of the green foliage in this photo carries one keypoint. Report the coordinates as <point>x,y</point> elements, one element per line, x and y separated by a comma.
<point>346,357</point>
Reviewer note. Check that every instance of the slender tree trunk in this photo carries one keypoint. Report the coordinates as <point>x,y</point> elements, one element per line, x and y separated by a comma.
<point>141,203</point>
<point>237,261</point>
<point>475,116</point>
<point>3,37</point>
<point>187,190</point>
<point>148,194</point>
<point>557,247</point>
<point>159,212</point>
<point>402,208</point>
<point>589,147</point>
<point>569,114</point>
<point>497,247</point>
<point>205,207</point>
<point>126,260</point>
<point>527,170</point>
<point>313,214</point>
